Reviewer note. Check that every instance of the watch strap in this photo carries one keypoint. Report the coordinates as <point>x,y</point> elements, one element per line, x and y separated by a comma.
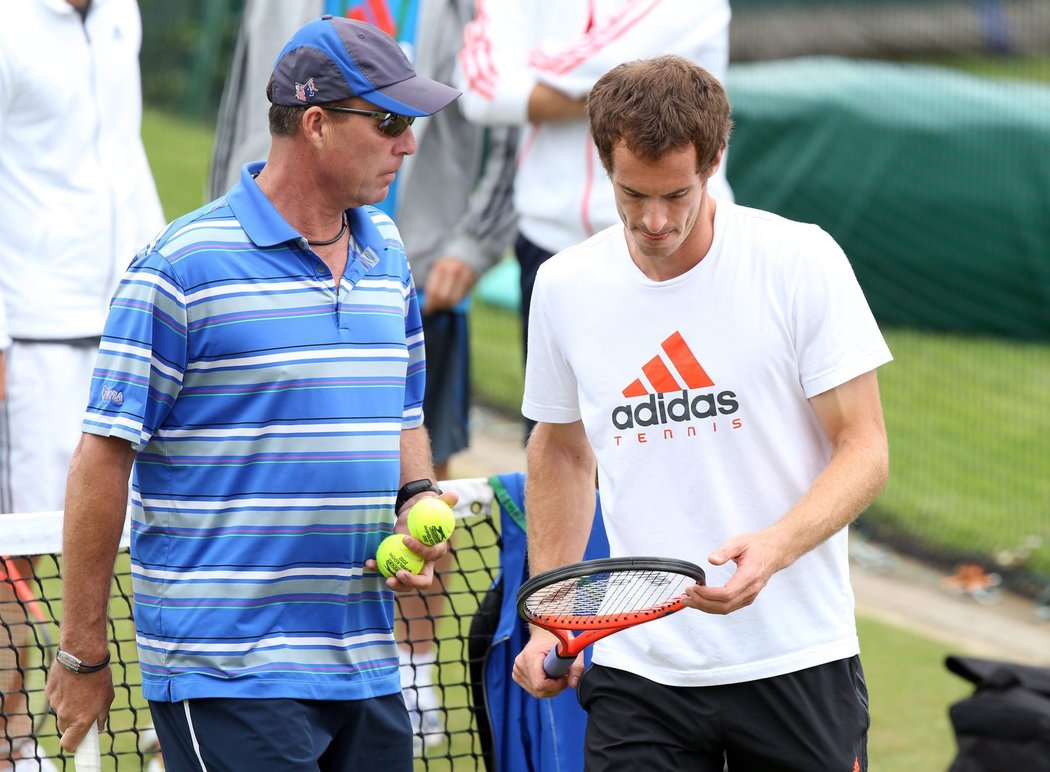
<point>412,489</point>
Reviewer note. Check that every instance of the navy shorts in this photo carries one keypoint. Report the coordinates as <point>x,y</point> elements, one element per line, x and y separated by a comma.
<point>813,720</point>
<point>446,402</point>
<point>283,735</point>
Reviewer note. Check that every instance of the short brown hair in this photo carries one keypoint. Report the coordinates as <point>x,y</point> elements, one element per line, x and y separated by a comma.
<point>659,105</point>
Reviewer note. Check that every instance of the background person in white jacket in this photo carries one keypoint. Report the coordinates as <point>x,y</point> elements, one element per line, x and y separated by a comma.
<point>77,201</point>
<point>534,62</point>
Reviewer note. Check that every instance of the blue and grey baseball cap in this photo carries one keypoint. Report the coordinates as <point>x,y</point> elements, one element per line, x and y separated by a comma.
<point>334,58</point>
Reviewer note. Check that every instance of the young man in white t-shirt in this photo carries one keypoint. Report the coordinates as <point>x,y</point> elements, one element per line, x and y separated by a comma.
<point>716,364</point>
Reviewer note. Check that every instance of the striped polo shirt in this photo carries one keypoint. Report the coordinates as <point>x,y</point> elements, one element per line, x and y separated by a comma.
<point>266,407</point>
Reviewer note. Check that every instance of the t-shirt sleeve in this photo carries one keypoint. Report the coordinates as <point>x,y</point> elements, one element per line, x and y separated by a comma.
<point>836,335</point>
<point>551,393</point>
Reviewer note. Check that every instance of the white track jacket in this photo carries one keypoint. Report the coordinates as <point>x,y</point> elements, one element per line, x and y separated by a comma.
<point>77,200</point>
<point>562,194</point>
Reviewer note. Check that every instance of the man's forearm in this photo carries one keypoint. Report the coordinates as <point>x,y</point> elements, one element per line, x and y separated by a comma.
<point>548,104</point>
<point>416,460</point>
<point>855,474</point>
<point>852,480</point>
<point>559,495</point>
<point>96,505</point>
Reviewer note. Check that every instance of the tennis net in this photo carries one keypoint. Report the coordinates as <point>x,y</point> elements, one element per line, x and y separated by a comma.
<point>436,627</point>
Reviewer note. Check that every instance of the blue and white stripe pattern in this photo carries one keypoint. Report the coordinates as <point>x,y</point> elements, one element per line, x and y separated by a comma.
<point>266,407</point>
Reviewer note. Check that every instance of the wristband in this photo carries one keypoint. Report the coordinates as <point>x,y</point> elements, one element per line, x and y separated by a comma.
<point>411,489</point>
<point>76,665</point>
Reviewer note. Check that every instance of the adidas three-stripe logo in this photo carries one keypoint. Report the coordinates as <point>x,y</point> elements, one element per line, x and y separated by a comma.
<point>684,372</point>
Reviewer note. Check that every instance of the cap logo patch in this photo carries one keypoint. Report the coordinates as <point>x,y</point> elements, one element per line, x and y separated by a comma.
<point>305,91</point>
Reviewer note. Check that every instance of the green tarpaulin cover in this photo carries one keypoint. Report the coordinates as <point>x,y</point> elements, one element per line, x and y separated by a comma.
<point>936,183</point>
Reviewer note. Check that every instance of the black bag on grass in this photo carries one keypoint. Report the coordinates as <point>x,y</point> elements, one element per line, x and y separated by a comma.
<point>1005,725</point>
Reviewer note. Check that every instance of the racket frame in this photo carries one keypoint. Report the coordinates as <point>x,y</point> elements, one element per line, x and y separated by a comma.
<point>561,657</point>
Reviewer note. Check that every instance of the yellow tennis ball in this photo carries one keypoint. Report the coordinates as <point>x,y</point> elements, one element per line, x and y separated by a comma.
<point>393,555</point>
<point>431,520</point>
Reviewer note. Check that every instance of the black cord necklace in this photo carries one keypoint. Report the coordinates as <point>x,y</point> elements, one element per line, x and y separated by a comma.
<point>330,241</point>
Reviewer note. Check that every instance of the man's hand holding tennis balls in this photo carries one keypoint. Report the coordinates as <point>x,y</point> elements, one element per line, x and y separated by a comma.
<point>404,580</point>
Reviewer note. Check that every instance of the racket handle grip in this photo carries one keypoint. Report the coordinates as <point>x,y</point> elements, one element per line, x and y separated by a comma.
<point>555,666</point>
<point>88,756</point>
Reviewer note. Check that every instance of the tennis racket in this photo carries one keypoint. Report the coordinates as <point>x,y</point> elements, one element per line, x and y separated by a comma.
<point>584,602</point>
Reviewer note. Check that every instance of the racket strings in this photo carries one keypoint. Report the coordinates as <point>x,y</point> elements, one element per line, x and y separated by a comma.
<point>608,596</point>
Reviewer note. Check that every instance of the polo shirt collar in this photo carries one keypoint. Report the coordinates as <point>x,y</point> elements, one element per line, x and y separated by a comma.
<point>267,228</point>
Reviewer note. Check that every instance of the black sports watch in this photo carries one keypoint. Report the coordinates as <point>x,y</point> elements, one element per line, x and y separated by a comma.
<point>411,489</point>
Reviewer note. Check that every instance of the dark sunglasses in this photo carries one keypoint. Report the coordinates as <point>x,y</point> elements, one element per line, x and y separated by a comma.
<point>391,124</point>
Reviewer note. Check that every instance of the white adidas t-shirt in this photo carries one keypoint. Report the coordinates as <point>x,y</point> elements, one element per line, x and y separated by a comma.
<point>694,394</point>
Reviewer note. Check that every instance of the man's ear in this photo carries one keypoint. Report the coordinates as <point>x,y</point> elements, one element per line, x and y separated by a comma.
<point>716,163</point>
<point>315,125</point>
